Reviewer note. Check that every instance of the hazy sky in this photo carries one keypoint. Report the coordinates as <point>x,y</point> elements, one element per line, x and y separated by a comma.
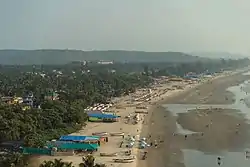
<point>150,25</point>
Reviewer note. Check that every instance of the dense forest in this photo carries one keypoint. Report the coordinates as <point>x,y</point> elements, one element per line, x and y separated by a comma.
<point>76,86</point>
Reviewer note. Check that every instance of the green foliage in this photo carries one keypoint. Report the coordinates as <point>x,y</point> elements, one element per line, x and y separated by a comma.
<point>78,86</point>
<point>88,161</point>
<point>13,160</point>
<point>62,116</point>
<point>56,163</point>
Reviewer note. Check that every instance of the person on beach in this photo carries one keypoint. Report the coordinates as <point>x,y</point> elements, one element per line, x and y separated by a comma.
<point>156,144</point>
<point>219,161</point>
<point>144,155</point>
<point>185,137</point>
<point>247,154</point>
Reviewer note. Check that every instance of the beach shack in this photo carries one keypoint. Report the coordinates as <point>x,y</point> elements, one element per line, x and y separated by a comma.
<point>37,151</point>
<point>101,117</point>
<point>85,139</point>
<point>70,145</point>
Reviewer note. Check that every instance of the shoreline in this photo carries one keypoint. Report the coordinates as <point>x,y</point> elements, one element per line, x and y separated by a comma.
<point>141,129</point>
<point>125,108</point>
<point>160,115</point>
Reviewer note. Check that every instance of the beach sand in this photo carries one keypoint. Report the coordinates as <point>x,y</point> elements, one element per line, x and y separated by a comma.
<point>209,139</point>
<point>223,129</point>
<point>159,123</point>
<point>123,108</point>
<point>211,92</point>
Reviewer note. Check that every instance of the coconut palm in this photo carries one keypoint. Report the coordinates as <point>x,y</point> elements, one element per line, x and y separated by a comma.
<point>89,161</point>
<point>56,163</point>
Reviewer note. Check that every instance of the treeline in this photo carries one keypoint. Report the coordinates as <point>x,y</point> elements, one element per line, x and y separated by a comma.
<point>78,86</point>
<point>63,116</point>
<point>55,118</point>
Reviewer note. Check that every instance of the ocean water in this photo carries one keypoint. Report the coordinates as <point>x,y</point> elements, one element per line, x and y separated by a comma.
<point>194,158</point>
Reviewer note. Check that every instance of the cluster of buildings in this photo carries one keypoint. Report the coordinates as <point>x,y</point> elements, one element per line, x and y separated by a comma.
<point>28,101</point>
<point>98,116</point>
<point>99,113</point>
<point>68,145</point>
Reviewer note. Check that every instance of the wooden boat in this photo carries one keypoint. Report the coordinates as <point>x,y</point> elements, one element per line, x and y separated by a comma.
<point>108,154</point>
<point>141,107</point>
<point>141,112</point>
<point>100,133</point>
<point>117,134</point>
<point>127,158</point>
<point>122,160</point>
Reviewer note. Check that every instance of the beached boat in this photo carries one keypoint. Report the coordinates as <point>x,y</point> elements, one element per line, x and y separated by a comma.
<point>100,133</point>
<point>108,154</point>
<point>124,160</point>
<point>141,112</point>
<point>117,134</point>
<point>141,107</point>
<point>127,158</point>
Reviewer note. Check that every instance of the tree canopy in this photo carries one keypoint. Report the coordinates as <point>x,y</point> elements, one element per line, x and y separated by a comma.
<point>60,93</point>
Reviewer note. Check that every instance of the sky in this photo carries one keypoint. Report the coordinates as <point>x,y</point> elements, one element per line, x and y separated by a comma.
<point>148,25</point>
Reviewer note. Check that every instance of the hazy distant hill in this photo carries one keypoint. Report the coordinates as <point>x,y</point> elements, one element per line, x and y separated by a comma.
<point>66,56</point>
<point>217,55</point>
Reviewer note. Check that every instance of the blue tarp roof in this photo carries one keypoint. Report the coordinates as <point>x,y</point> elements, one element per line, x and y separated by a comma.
<point>78,138</point>
<point>101,115</point>
<point>72,145</point>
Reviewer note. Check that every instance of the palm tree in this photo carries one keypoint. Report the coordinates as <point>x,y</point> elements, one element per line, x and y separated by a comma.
<point>89,161</point>
<point>56,163</point>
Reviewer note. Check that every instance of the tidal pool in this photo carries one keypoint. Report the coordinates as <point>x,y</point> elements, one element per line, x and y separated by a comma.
<point>193,158</point>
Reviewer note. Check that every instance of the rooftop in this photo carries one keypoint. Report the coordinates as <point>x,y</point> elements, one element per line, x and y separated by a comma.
<point>78,138</point>
<point>101,115</point>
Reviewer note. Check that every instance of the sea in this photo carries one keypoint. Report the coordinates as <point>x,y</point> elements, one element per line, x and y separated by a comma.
<point>194,158</point>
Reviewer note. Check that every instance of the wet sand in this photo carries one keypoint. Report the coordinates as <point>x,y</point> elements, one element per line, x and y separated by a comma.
<point>223,129</point>
<point>161,125</point>
<point>125,108</point>
<point>213,92</point>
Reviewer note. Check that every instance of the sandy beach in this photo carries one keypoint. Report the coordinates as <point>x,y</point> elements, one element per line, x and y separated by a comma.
<point>161,124</point>
<point>126,106</point>
<point>214,130</point>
